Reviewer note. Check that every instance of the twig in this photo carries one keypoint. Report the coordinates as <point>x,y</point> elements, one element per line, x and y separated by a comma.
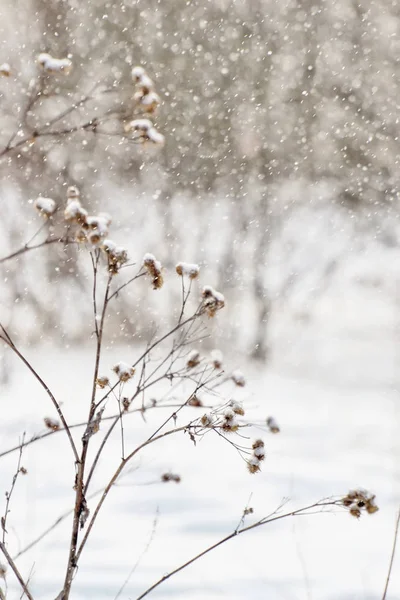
<point>11,345</point>
<point>396,533</point>
<point>26,247</point>
<point>10,493</point>
<point>235,533</point>
<point>15,569</point>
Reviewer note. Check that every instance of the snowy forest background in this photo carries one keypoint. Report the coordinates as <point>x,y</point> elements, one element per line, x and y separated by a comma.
<point>279,173</point>
<point>279,176</point>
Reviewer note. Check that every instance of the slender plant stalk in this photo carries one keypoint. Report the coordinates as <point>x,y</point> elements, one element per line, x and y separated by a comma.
<point>396,533</point>
<point>16,571</point>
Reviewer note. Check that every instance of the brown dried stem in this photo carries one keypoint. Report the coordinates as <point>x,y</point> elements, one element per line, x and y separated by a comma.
<point>396,533</point>
<point>16,571</point>
<point>321,504</point>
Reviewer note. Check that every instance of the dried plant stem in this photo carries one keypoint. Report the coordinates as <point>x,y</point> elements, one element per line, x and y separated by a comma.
<point>56,405</point>
<point>79,485</point>
<point>396,533</point>
<point>301,511</point>
<point>115,477</point>
<point>16,571</point>
<point>27,247</point>
<point>10,493</point>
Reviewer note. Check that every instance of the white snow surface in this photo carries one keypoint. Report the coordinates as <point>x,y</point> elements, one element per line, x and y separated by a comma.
<point>339,414</point>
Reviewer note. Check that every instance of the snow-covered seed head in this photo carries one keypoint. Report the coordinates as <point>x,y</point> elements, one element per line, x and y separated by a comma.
<point>359,500</point>
<point>102,381</point>
<point>253,465</point>
<point>73,192</point>
<point>193,359</point>
<point>53,65</point>
<point>51,424</point>
<point>237,407</point>
<point>5,70</point>
<point>123,371</point>
<point>154,269</point>
<point>74,212</point>
<point>45,206</point>
<point>217,359</point>
<point>138,73</point>
<point>141,126</point>
<point>273,425</point>
<point>229,423</point>
<point>238,378</point>
<point>147,100</point>
<point>96,228</point>
<point>212,300</point>
<point>116,255</point>
<point>187,269</point>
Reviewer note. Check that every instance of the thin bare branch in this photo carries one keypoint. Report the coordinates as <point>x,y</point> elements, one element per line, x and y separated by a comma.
<point>16,571</point>
<point>396,533</point>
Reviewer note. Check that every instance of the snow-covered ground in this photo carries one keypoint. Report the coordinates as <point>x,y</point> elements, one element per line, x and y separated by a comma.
<point>336,398</point>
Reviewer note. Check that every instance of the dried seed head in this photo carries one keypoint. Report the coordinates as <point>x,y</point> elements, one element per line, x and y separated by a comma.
<point>253,465</point>
<point>3,571</point>
<point>23,470</point>
<point>72,192</point>
<point>137,73</point>
<point>217,359</point>
<point>51,424</point>
<point>195,401</point>
<point>238,378</point>
<point>53,65</point>
<point>166,477</point>
<point>102,381</point>
<point>212,300</point>
<point>237,407</point>
<point>124,371</point>
<point>207,420</point>
<point>358,500</point>
<point>273,425</point>
<point>5,70</point>
<point>126,402</point>
<point>193,359</point>
<point>229,424</point>
<point>189,270</point>
<point>74,212</point>
<point>154,269</point>
<point>45,206</point>
<point>116,255</point>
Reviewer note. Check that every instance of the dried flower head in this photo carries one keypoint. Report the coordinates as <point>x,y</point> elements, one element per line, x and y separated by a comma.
<point>195,401</point>
<point>51,424</point>
<point>74,212</point>
<point>117,256</point>
<point>147,100</point>
<point>229,423</point>
<point>45,206</point>
<point>23,470</point>
<point>102,381</point>
<point>124,371</point>
<point>212,300</point>
<point>237,407</point>
<point>96,228</point>
<point>273,425</point>
<point>166,477</point>
<point>154,269</point>
<point>189,270</point>
<point>259,449</point>
<point>137,73</point>
<point>126,402</point>
<point>5,70</point>
<point>207,420</point>
<point>73,192</point>
<point>359,500</point>
<point>3,571</point>
<point>143,130</point>
<point>238,378</point>
<point>53,65</point>
<point>217,359</point>
<point>193,359</point>
<point>253,465</point>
